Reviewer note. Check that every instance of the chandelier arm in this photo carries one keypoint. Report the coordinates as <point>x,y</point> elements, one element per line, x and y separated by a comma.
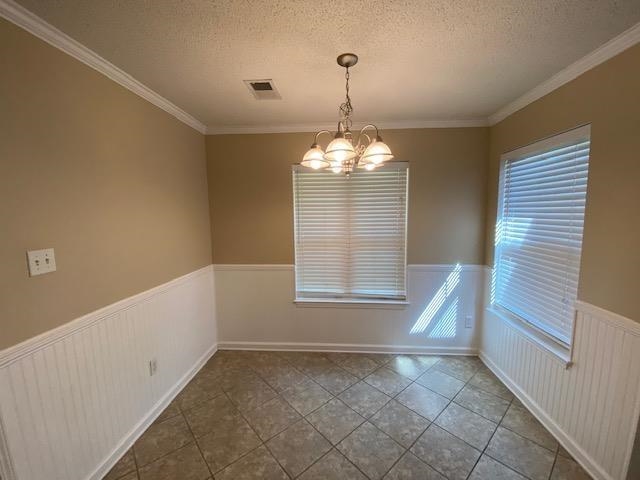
<point>370,125</point>
<point>315,141</point>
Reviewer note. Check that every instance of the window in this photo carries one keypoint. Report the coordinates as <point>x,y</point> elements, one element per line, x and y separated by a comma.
<point>543,188</point>
<point>350,234</point>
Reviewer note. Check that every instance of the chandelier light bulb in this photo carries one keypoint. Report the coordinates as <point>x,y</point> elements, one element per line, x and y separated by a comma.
<point>369,166</point>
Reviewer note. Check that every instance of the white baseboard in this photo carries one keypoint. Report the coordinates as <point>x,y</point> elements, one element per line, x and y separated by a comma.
<point>154,413</point>
<point>346,347</point>
<point>567,442</point>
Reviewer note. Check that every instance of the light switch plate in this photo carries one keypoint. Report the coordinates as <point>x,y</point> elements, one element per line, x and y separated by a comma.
<point>41,261</point>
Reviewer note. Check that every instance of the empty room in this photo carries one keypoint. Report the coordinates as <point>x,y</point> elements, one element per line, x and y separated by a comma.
<point>319,240</point>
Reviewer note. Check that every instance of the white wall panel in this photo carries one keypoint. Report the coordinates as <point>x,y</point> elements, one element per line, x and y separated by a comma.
<point>75,398</point>
<point>591,407</point>
<point>255,309</point>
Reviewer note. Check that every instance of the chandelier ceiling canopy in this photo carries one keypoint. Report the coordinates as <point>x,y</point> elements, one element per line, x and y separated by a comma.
<point>341,155</point>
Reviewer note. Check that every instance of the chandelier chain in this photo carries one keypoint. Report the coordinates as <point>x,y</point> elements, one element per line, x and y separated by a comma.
<point>346,109</point>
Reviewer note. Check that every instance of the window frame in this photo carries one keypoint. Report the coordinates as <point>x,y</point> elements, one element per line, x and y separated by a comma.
<point>364,301</point>
<point>536,334</point>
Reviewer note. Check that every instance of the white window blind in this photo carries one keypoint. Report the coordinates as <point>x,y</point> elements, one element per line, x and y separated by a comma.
<point>543,188</point>
<point>350,233</point>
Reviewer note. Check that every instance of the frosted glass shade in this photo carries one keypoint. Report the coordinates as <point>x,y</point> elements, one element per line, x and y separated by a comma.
<point>314,158</point>
<point>339,150</point>
<point>376,153</point>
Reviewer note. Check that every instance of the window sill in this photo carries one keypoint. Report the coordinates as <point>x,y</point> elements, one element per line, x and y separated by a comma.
<point>350,303</point>
<point>560,351</point>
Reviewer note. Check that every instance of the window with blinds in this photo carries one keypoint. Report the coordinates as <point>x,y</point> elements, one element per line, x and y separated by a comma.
<point>543,188</point>
<point>350,234</point>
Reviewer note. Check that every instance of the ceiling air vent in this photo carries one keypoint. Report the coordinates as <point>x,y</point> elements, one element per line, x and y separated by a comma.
<point>263,89</point>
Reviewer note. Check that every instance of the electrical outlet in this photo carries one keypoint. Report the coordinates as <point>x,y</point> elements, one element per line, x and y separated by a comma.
<point>41,261</point>
<point>468,321</point>
<point>153,367</point>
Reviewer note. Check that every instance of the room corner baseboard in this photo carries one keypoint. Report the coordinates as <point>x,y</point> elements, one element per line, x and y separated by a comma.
<point>346,347</point>
<point>157,409</point>
<point>582,457</point>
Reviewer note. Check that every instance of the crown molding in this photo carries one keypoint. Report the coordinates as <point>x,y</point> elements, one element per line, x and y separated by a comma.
<point>33,24</point>
<point>314,127</point>
<point>613,47</point>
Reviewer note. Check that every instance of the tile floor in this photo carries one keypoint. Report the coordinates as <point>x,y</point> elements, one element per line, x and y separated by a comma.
<point>282,415</point>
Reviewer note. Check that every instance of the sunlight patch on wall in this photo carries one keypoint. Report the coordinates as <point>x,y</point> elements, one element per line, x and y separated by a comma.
<point>438,300</point>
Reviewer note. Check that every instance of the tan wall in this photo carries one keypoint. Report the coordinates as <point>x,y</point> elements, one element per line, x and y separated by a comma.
<point>608,97</point>
<point>114,184</point>
<point>251,195</point>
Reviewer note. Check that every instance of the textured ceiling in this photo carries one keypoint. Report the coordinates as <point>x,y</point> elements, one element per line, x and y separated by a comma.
<point>419,59</point>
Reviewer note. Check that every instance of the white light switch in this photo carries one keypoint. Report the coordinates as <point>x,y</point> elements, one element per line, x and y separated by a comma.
<point>468,321</point>
<point>41,261</point>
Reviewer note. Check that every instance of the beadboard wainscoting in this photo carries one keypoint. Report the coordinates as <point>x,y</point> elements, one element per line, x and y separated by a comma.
<point>592,408</point>
<point>74,399</point>
<point>256,310</point>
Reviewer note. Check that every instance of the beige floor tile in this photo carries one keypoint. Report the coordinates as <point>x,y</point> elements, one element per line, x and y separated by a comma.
<point>162,438</point>
<point>371,450</point>
<point>191,396</point>
<point>306,396</point>
<point>466,425</point>
<point>359,365</point>
<point>256,465</point>
<point>488,469</point>
<point>364,399</point>
<point>446,453</point>
<point>298,447</point>
<point>520,454</point>
<point>483,403</point>
<point>459,367</point>
<point>387,381</point>
<point>400,423</point>
<point>335,420</point>
<point>171,411</point>
<point>124,466</point>
<point>567,469</point>
<point>271,418</point>
<point>251,395</point>
<point>282,377</point>
<point>411,467</point>
<point>524,423</point>
<point>333,466</point>
<point>407,366</point>
<point>185,464</point>
<point>206,416</point>
<point>231,439</point>
<point>334,379</point>
<point>423,401</point>
<point>441,383</point>
<point>487,381</point>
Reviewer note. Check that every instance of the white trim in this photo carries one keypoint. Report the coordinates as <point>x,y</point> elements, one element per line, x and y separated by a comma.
<point>613,319</point>
<point>149,418</point>
<point>345,347</point>
<point>557,140</point>
<point>349,303</point>
<point>230,267</point>
<point>443,267</point>
<point>600,55</point>
<point>315,127</point>
<point>565,440</point>
<point>35,25</point>
<point>14,353</point>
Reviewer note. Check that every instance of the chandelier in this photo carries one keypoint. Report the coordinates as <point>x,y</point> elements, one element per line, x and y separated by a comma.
<point>341,155</point>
